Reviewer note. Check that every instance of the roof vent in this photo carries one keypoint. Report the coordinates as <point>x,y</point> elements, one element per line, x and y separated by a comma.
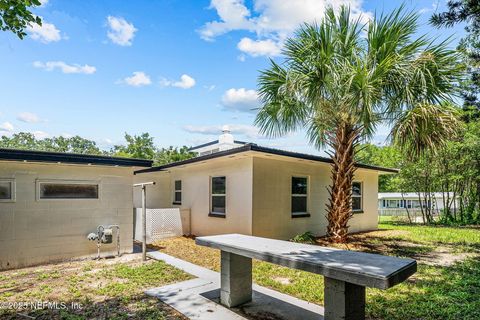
<point>226,137</point>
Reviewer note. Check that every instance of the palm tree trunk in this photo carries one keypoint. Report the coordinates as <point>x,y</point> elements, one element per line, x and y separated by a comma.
<point>339,208</point>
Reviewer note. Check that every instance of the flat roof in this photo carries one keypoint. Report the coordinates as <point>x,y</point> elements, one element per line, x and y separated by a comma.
<point>211,143</point>
<point>73,158</point>
<point>256,148</point>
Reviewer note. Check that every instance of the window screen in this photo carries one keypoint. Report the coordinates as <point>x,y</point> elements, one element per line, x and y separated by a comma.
<point>178,192</point>
<point>299,195</point>
<point>6,192</point>
<point>218,195</point>
<point>357,196</point>
<point>68,191</point>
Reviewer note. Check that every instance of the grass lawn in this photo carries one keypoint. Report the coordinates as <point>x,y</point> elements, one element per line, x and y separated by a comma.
<point>446,286</point>
<point>106,289</point>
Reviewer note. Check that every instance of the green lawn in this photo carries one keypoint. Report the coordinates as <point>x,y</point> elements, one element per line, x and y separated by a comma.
<point>106,289</point>
<point>446,286</point>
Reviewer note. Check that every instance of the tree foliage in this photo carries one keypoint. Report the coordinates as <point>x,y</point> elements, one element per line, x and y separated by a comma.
<point>340,79</point>
<point>15,16</point>
<point>466,11</point>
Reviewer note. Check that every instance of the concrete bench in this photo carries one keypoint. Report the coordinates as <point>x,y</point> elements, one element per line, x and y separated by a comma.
<point>346,273</point>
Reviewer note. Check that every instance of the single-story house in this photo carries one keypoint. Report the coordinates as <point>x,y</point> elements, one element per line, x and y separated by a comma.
<point>411,200</point>
<point>50,202</point>
<point>239,187</point>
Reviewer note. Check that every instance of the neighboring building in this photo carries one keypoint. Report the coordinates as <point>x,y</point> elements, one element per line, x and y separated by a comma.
<point>50,202</point>
<point>399,202</point>
<point>236,187</point>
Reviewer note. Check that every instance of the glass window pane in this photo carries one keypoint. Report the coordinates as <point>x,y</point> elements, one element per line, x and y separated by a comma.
<point>218,185</point>
<point>178,184</point>
<point>356,188</point>
<point>178,196</point>
<point>5,190</point>
<point>299,185</point>
<point>356,203</point>
<point>299,204</point>
<point>68,191</point>
<point>218,204</point>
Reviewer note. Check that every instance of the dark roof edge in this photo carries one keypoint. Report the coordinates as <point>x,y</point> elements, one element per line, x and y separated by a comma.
<point>212,143</point>
<point>74,158</point>
<point>254,147</point>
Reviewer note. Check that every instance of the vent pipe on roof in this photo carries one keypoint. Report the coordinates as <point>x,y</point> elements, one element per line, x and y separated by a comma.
<point>226,137</point>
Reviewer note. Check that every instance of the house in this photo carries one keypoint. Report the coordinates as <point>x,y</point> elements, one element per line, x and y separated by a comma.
<point>397,202</point>
<point>50,202</point>
<point>238,187</point>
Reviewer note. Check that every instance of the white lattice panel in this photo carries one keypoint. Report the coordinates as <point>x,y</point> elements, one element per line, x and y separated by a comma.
<point>162,223</point>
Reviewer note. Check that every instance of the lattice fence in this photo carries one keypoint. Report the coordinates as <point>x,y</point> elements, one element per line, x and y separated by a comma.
<point>163,223</point>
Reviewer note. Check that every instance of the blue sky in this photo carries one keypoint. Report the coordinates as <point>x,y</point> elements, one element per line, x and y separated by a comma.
<point>176,69</point>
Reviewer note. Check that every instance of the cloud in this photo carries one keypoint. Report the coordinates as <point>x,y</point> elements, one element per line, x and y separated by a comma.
<point>272,20</point>
<point>185,82</point>
<point>240,100</point>
<point>6,127</point>
<point>257,48</point>
<point>43,3</point>
<point>45,33</point>
<point>121,32</point>
<point>28,117</point>
<point>64,67</point>
<point>249,131</point>
<point>138,79</point>
<point>40,134</point>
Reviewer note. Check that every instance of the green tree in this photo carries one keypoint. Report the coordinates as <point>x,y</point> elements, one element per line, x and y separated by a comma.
<point>15,16</point>
<point>172,154</point>
<point>22,140</point>
<point>466,11</point>
<point>140,147</point>
<point>74,144</point>
<point>340,79</point>
<point>384,156</point>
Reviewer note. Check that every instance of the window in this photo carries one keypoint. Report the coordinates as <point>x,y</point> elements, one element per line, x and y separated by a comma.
<point>357,205</point>
<point>7,190</point>
<point>218,195</point>
<point>67,190</point>
<point>299,195</point>
<point>177,197</point>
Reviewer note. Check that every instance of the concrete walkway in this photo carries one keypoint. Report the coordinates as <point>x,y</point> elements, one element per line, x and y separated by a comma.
<point>199,298</point>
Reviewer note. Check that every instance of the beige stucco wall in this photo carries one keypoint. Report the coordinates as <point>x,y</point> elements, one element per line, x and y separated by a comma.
<point>196,194</point>
<point>272,198</point>
<point>37,231</point>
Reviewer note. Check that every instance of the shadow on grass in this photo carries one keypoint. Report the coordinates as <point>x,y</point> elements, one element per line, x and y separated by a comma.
<point>433,293</point>
<point>134,307</point>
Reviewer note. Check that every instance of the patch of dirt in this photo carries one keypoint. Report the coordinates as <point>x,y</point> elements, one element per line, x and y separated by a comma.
<point>282,280</point>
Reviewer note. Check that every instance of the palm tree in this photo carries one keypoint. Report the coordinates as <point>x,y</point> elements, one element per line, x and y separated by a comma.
<point>340,79</point>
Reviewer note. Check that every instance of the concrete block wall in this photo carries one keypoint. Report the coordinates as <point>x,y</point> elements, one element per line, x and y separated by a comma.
<point>36,231</point>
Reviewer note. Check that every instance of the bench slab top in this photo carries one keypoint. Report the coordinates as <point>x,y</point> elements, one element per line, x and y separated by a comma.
<point>360,268</point>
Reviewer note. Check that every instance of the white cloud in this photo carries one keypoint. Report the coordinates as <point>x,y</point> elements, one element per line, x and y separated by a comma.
<point>121,32</point>
<point>64,67</point>
<point>28,117</point>
<point>240,100</point>
<point>272,20</point>
<point>257,48</point>
<point>185,82</point>
<point>210,87</point>
<point>138,79</point>
<point>43,3</point>
<point>6,127</point>
<point>45,33</point>
<point>246,130</point>
<point>40,134</point>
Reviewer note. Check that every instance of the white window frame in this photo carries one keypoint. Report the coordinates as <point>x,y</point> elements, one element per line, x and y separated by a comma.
<point>13,189</point>
<point>218,195</point>
<point>175,191</point>
<point>38,182</point>
<point>360,196</point>
<point>307,195</point>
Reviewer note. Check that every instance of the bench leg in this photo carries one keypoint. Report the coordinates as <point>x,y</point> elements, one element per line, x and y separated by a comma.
<point>236,279</point>
<point>343,300</point>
